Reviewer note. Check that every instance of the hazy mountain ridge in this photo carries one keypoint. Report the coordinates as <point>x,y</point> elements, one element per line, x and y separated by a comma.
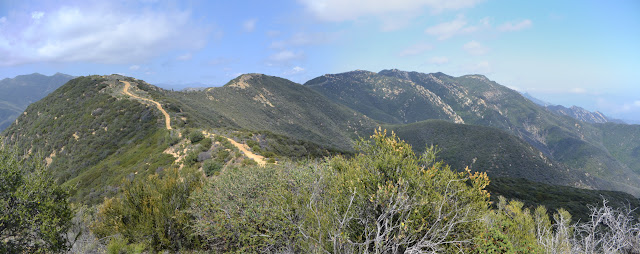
<point>575,112</point>
<point>18,92</point>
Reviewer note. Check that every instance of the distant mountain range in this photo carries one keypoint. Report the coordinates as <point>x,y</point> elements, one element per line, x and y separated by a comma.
<point>93,135</point>
<point>17,93</point>
<point>574,111</point>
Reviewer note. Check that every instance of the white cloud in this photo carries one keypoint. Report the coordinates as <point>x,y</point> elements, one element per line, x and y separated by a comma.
<point>3,19</point>
<point>37,15</point>
<point>184,57</point>
<point>515,26</point>
<point>475,48</point>
<point>457,26</point>
<point>415,49</point>
<point>134,67</point>
<point>286,56</point>
<point>100,34</point>
<point>294,70</point>
<point>249,25</point>
<point>438,60</point>
<point>393,14</point>
<point>636,103</point>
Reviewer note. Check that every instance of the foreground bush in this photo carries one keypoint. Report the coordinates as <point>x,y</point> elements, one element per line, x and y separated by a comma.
<point>35,210</point>
<point>151,211</point>
<point>388,200</point>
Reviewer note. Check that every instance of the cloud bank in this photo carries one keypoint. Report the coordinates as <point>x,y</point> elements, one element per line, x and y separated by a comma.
<point>101,34</point>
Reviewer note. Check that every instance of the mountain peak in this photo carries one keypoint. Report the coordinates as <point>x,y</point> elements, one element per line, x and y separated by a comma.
<point>244,81</point>
<point>395,73</point>
<point>477,76</point>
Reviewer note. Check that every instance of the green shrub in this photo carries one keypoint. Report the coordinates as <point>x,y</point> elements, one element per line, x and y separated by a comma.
<point>248,210</point>
<point>387,199</point>
<point>196,137</point>
<point>252,143</point>
<point>151,211</point>
<point>119,245</point>
<point>223,156</point>
<point>191,158</point>
<point>35,210</point>
<point>211,167</point>
<point>206,144</point>
<point>249,162</point>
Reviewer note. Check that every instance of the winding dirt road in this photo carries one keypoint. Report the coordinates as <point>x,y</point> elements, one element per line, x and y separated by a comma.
<point>167,118</point>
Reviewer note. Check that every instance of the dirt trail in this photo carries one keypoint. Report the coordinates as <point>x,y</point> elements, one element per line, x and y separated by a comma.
<point>244,149</point>
<point>167,118</point>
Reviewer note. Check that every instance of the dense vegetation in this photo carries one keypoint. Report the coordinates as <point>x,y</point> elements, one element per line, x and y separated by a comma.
<point>486,150</point>
<point>36,215</point>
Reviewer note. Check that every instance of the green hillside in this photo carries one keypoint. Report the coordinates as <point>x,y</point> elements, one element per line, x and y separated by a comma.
<point>265,103</point>
<point>83,124</point>
<point>486,149</point>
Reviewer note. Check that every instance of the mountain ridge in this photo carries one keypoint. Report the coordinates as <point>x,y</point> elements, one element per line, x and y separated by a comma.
<point>479,101</point>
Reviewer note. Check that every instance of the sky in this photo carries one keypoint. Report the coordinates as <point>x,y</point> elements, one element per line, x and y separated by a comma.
<point>584,53</point>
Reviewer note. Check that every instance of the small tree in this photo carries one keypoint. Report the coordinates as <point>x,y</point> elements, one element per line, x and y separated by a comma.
<point>35,210</point>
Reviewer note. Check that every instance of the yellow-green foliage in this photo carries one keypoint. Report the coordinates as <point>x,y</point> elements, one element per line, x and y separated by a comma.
<point>151,211</point>
<point>525,232</point>
<point>249,209</point>
<point>387,199</point>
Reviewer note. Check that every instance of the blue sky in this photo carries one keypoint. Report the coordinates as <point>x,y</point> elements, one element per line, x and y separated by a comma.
<point>583,53</point>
